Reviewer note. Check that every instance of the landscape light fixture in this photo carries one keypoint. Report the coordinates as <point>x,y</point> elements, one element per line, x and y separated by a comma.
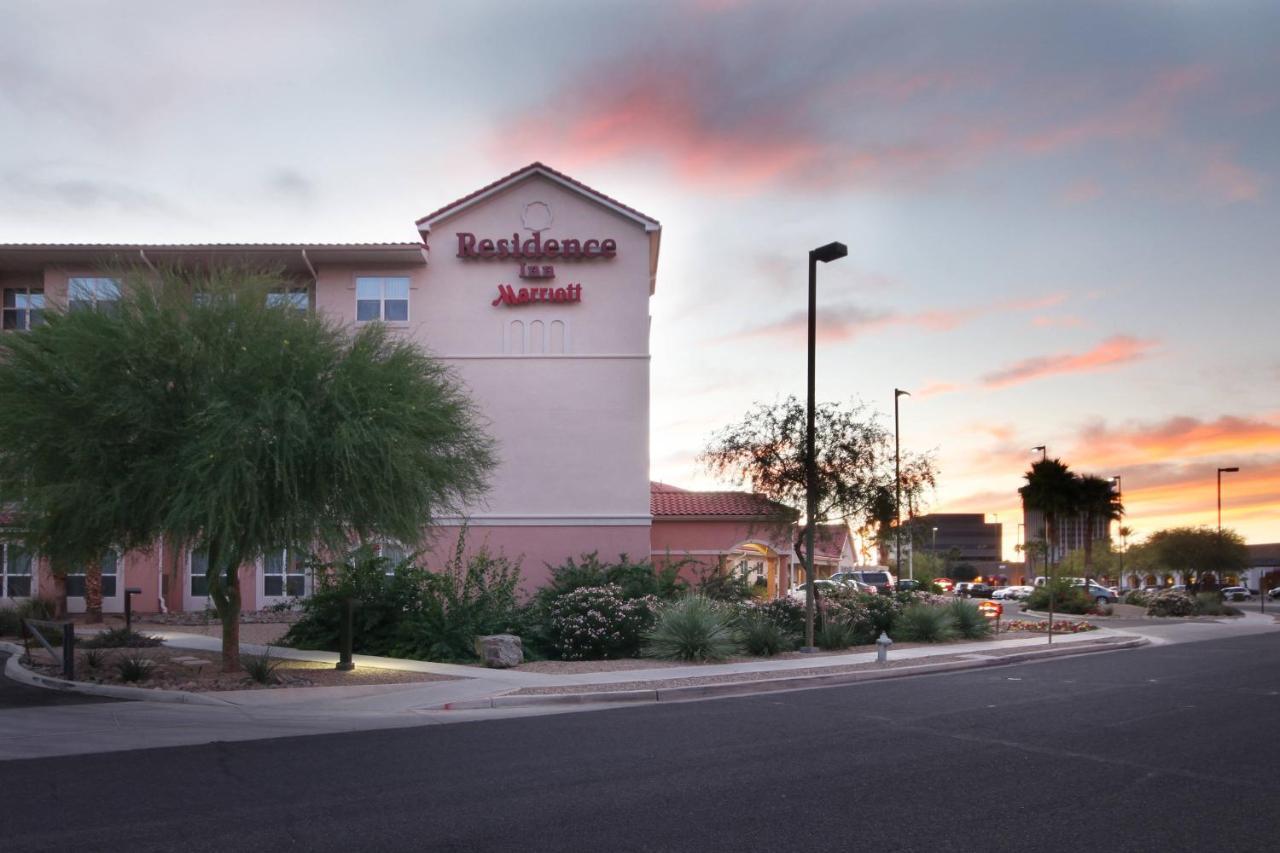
<point>826,254</point>
<point>897,480</point>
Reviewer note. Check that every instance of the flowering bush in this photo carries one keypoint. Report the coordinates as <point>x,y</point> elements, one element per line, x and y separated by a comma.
<point>1043,627</point>
<point>786,613</point>
<point>594,622</point>
<point>1172,603</point>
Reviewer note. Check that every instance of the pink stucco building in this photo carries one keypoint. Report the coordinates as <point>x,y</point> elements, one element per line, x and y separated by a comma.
<point>535,289</point>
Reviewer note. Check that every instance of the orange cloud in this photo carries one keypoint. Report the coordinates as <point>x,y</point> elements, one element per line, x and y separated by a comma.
<point>1118,350</point>
<point>1179,438</point>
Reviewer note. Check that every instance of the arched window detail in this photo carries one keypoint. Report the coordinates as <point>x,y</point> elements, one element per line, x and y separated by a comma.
<point>515,337</point>
<point>536,337</point>
<point>556,344</point>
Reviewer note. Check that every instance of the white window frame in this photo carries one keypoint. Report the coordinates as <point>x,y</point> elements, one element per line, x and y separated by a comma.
<point>97,286</point>
<point>6,311</point>
<point>382,281</point>
<point>289,556</point>
<point>381,547</point>
<point>6,564</point>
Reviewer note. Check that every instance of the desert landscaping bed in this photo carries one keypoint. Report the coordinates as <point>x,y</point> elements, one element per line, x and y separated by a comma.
<point>179,669</point>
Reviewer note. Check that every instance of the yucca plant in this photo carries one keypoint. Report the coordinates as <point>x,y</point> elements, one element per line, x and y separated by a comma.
<point>261,668</point>
<point>134,668</point>
<point>93,659</point>
<point>924,623</point>
<point>834,635</point>
<point>691,628</point>
<point>763,637</point>
<point>968,620</point>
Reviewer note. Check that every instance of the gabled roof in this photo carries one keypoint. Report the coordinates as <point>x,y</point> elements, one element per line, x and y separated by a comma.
<point>829,539</point>
<point>671,503</point>
<point>648,222</point>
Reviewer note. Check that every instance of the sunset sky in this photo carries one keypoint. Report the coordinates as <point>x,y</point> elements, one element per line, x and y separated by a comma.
<point>1062,218</point>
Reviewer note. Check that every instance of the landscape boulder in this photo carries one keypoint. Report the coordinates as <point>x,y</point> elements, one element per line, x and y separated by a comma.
<point>500,651</point>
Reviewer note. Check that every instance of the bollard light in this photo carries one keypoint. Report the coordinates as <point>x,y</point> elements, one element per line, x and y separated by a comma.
<point>129,593</point>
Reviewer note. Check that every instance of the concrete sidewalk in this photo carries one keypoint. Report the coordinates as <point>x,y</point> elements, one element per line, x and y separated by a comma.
<point>479,693</point>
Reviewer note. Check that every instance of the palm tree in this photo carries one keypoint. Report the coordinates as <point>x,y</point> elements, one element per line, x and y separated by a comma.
<point>1097,500</point>
<point>1052,489</point>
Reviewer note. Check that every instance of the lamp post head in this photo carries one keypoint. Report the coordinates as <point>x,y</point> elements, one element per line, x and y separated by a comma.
<point>1039,447</point>
<point>1227,470</point>
<point>898,392</point>
<point>829,252</point>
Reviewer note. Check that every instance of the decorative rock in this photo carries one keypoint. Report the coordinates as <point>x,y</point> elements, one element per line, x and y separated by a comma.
<point>500,651</point>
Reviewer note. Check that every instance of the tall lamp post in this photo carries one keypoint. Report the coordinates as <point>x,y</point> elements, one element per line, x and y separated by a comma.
<point>1221,471</point>
<point>897,481</point>
<point>1044,456</point>
<point>826,254</point>
<point>1120,499</point>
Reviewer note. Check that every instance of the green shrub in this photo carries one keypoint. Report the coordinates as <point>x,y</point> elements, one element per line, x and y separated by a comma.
<point>134,668</point>
<point>261,668</point>
<point>597,622</point>
<point>636,580</point>
<point>1137,597</point>
<point>785,612</point>
<point>969,622</point>
<point>691,628</point>
<point>407,611</point>
<point>924,623</point>
<point>120,638</point>
<point>833,635</point>
<point>1067,598</point>
<point>37,608</point>
<point>1210,604</point>
<point>865,615</point>
<point>10,622</point>
<point>762,636</point>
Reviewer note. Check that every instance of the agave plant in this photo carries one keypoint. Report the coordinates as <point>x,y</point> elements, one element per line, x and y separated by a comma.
<point>691,628</point>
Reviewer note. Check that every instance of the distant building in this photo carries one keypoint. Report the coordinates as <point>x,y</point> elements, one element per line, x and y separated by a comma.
<point>1069,533</point>
<point>1263,572</point>
<point>977,540</point>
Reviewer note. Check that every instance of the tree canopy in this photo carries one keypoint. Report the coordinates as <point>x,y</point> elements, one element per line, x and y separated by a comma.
<point>854,453</point>
<point>203,411</point>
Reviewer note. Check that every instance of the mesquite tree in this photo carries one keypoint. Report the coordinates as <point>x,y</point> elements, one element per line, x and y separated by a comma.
<point>202,411</point>
<point>766,451</point>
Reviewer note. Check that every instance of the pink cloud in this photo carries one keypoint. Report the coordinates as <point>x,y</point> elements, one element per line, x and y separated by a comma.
<point>1228,181</point>
<point>1112,352</point>
<point>935,389</point>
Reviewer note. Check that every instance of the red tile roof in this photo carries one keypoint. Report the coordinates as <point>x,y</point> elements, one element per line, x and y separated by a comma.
<point>529,170</point>
<point>670,502</point>
<point>829,539</point>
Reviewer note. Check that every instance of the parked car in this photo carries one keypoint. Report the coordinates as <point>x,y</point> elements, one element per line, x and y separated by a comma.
<point>820,587</point>
<point>1275,593</point>
<point>1012,593</point>
<point>907,585</point>
<point>854,584</point>
<point>974,590</point>
<point>1236,593</point>
<point>1101,594</point>
<point>881,579</point>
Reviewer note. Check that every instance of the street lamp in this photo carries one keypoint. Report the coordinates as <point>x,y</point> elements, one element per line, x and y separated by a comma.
<point>1221,471</point>
<point>826,254</point>
<point>1120,500</point>
<point>897,480</point>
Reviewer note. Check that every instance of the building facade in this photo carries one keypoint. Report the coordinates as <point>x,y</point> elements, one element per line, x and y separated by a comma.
<point>535,289</point>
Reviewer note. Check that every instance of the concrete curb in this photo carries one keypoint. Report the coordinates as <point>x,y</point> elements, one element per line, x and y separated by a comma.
<point>771,685</point>
<point>15,671</point>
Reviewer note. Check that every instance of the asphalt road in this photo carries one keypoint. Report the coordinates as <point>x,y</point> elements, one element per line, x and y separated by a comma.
<point>1161,749</point>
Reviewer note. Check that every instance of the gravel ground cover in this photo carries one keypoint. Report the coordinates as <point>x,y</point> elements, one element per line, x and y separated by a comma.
<point>173,669</point>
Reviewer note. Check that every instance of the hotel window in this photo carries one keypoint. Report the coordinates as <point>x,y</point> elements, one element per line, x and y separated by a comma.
<point>199,574</point>
<point>382,298</point>
<point>93,293</point>
<point>283,574</point>
<point>23,308</point>
<point>393,552</point>
<point>297,298</point>
<point>15,571</point>
<point>110,573</point>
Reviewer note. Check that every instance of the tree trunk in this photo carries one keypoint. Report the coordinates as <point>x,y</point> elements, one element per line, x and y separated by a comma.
<point>59,595</point>
<point>93,592</point>
<point>224,589</point>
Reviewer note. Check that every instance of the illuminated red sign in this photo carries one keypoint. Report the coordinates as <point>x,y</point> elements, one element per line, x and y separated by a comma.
<point>508,295</point>
<point>535,248</point>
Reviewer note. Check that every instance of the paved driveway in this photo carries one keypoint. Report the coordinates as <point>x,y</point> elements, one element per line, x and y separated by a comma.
<point>15,695</point>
